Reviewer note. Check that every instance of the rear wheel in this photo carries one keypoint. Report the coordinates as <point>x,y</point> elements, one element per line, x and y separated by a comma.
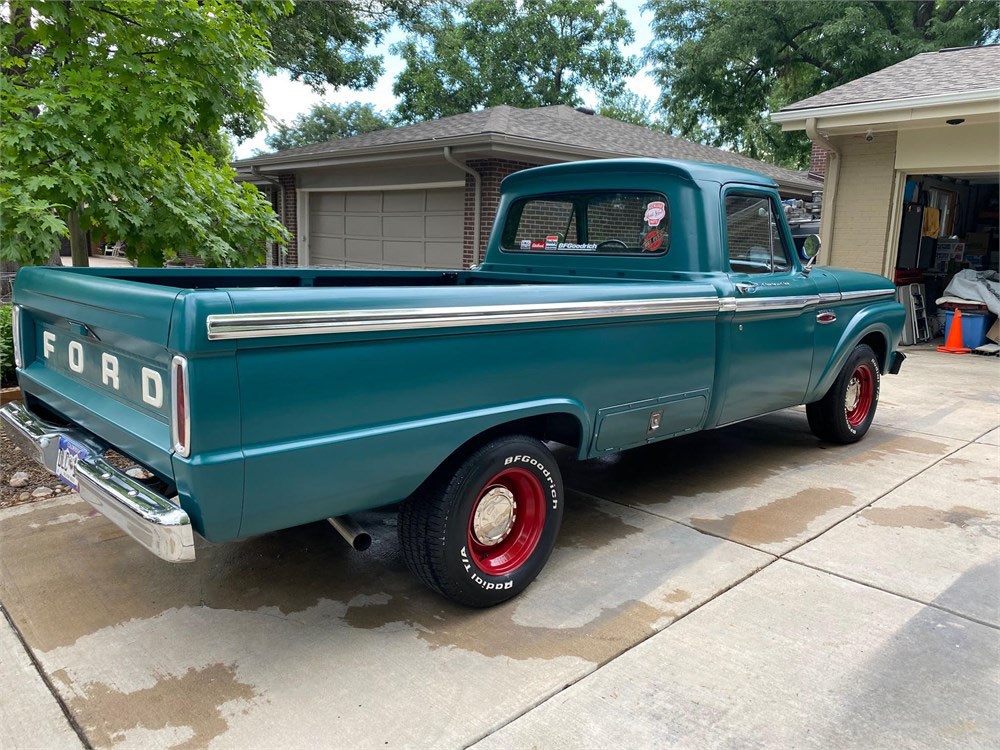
<point>846,412</point>
<point>480,532</point>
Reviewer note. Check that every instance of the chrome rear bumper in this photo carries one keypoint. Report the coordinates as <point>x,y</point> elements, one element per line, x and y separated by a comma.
<point>155,522</point>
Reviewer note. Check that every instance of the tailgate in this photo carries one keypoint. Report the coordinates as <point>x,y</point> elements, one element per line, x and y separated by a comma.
<point>94,352</point>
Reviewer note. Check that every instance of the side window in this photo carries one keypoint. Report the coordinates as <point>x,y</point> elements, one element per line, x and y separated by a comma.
<point>756,243</point>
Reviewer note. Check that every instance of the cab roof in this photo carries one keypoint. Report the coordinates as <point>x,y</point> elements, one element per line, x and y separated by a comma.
<point>686,170</point>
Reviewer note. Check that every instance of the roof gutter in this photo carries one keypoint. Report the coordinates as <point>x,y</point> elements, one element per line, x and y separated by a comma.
<point>887,105</point>
<point>477,211</point>
<point>830,182</point>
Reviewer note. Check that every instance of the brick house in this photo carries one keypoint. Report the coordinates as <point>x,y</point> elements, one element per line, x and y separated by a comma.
<point>425,195</point>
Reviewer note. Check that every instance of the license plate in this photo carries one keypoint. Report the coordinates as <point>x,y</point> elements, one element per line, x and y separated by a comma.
<point>69,455</point>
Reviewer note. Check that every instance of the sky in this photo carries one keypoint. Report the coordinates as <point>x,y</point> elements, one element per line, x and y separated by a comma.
<point>286,98</point>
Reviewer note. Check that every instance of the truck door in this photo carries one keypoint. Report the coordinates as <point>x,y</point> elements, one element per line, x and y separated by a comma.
<point>773,309</point>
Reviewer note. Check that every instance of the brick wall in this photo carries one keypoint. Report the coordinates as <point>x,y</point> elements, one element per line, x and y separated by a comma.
<point>863,202</point>
<point>817,160</point>
<point>291,218</point>
<point>492,171</point>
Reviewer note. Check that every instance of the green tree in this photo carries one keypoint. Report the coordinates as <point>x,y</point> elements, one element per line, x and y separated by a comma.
<point>723,65</point>
<point>525,53</point>
<point>323,43</point>
<point>327,122</point>
<point>628,106</point>
<point>109,112</point>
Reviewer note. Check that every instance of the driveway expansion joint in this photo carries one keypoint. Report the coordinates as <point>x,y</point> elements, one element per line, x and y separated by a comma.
<point>74,725</point>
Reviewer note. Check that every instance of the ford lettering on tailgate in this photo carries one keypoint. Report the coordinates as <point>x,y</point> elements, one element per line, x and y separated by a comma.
<point>140,383</point>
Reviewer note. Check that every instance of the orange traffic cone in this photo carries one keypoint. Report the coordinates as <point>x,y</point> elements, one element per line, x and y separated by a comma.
<point>954,343</point>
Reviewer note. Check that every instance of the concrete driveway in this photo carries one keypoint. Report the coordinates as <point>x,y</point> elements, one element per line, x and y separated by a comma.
<point>750,587</point>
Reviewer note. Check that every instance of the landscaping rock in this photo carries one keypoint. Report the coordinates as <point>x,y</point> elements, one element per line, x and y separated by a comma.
<point>137,472</point>
<point>42,492</point>
<point>19,479</point>
<point>24,496</point>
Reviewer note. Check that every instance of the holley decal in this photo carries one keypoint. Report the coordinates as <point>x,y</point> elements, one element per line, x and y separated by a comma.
<point>652,241</point>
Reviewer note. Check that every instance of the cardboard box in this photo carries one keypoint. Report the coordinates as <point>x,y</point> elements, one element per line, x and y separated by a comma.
<point>994,333</point>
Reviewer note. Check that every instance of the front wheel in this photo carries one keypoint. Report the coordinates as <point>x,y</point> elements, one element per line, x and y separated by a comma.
<point>846,412</point>
<point>480,533</point>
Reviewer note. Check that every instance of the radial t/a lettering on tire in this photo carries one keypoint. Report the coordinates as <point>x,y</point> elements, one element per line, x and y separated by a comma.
<point>846,412</point>
<point>480,533</point>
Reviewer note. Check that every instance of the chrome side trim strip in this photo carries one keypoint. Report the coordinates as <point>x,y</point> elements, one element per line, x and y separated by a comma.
<point>158,524</point>
<point>261,325</point>
<point>867,294</point>
<point>318,322</point>
<point>775,303</point>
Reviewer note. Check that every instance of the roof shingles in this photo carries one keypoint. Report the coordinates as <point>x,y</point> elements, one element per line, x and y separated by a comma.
<point>948,71</point>
<point>555,126</point>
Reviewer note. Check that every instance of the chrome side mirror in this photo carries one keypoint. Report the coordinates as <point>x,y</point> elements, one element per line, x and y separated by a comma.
<point>810,250</point>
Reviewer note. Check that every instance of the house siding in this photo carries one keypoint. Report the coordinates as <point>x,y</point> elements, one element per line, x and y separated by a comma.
<point>863,202</point>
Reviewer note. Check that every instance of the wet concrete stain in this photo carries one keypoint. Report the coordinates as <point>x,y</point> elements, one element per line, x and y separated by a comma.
<point>675,596</point>
<point>779,520</point>
<point>586,526</point>
<point>924,517</point>
<point>289,571</point>
<point>493,633</point>
<point>194,699</point>
<point>877,451</point>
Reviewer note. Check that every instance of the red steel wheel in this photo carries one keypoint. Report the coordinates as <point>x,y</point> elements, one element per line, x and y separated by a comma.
<point>506,522</point>
<point>860,394</point>
<point>847,409</point>
<point>482,527</point>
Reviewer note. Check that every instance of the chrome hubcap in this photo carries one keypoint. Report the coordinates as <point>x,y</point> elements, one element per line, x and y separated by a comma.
<point>853,395</point>
<point>494,516</point>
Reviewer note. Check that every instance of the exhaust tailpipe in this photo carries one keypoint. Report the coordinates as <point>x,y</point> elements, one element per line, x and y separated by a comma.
<point>353,534</point>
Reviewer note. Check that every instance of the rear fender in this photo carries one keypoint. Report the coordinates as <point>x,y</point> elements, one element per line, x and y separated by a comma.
<point>883,319</point>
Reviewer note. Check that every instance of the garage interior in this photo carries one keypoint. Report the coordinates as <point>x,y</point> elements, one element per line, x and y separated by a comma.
<point>949,224</point>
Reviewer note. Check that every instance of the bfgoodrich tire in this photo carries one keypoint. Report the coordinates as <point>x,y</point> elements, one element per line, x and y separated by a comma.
<point>480,533</point>
<point>846,412</point>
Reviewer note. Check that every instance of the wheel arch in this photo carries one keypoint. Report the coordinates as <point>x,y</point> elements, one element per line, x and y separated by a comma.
<point>568,425</point>
<point>873,326</point>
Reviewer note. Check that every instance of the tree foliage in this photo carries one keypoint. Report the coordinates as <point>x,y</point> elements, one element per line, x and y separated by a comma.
<point>324,43</point>
<point>525,53</point>
<point>327,122</point>
<point>110,111</point>
<point>724,64</point>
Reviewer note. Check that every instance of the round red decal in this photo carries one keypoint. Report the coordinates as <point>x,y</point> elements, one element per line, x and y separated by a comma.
<point>652,241</point>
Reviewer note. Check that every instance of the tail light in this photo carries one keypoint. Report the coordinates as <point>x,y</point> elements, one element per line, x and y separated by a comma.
<point>180,407</point>
<point>15,325</point>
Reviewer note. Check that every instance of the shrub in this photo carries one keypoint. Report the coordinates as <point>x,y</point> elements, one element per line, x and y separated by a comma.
<point>7,376</point>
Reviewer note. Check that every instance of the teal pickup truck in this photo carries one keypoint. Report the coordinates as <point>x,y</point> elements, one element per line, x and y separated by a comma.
<point>620,303</point>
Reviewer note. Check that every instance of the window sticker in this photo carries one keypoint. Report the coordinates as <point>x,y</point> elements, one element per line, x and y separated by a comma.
<point>525,244</point>
<point>552,242</point>
<point>536,245</point>
<point>574,246</point>
<point>655,211</point>
<point>652,241</point>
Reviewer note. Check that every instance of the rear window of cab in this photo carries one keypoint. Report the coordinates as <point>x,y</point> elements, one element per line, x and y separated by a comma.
<point>589,223</point>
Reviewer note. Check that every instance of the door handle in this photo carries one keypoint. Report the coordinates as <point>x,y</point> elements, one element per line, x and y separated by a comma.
<point>744,288</point>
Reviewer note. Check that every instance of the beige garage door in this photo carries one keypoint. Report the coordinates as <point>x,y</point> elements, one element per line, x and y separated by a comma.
<point>387,228</point>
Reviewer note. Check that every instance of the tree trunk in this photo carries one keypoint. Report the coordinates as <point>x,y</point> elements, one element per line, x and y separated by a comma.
<point>77,239</point>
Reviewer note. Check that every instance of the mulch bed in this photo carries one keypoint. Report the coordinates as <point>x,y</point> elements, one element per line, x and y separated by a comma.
<point>13,461</point>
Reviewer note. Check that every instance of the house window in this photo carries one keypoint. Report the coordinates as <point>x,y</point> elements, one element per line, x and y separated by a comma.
<point>755,240</point>
<point>595,223</point>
